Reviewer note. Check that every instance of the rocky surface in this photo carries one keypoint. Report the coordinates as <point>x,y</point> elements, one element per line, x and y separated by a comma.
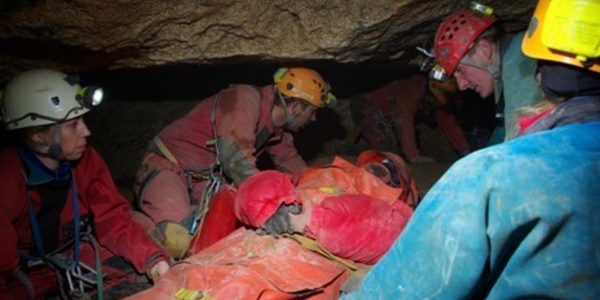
<point>88,35</point>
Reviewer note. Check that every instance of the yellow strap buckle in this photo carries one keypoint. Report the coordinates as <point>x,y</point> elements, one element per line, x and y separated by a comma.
<point>187,294</point>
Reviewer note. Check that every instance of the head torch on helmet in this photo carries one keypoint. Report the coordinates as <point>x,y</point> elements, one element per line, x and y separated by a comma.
<point>482,9</point>
<point>90,96</point>
<point>438,73</point>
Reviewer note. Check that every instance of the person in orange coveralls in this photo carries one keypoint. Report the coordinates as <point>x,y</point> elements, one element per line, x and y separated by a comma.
<point>190,163</point>
<point>65,229</point>
<point>389,114</point>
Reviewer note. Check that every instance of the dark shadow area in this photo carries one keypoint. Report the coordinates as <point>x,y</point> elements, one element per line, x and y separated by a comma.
<point>192,83</point>
<point>196,82</point>
<point>310,141</point>
<point>140,102</point>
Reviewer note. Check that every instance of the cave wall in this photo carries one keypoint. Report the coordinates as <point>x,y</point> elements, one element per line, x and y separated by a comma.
<point>93,35</point>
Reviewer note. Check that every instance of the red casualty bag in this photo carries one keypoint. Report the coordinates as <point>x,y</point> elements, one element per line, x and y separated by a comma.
<point>356,215</point>
<point>246,265</point>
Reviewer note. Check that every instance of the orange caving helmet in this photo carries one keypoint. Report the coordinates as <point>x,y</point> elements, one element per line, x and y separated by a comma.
<point>392,169</point>
<point>456,36</point>
<point>566,32</point>
<point>305,84</point>
<point>442,90</point>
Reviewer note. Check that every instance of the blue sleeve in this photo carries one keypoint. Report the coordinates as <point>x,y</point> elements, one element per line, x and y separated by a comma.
<point>451,222</point>
<point>516,220</point>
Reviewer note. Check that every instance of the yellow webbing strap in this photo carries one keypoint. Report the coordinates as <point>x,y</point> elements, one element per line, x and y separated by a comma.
<point>165,151</point>
<point>187,294</point>
<point>312,245</point>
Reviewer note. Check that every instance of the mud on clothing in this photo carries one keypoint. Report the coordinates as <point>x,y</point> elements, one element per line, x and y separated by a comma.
<point>516,220</point>
<point>100,203</point>
<point>244,128</point>
<point>389,114</point>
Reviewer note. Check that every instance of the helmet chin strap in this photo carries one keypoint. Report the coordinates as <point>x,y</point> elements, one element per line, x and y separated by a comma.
<point>494,69</point>
<point>54,149</point>
<point>289,118</point>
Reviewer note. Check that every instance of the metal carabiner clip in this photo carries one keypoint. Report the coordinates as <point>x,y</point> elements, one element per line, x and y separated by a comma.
<point>75,292</point>
<point>89,277</point>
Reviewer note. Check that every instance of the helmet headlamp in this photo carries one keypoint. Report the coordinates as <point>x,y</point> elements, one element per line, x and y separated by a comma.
<point>90,96</point>
<point>482,9</point>
<point>438,73</point>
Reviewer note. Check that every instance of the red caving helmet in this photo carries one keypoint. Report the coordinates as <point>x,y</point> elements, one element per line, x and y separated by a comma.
<point>456,35</point>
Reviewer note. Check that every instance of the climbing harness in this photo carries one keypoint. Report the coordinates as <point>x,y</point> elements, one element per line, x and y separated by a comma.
<point>78,275</point>
<point>214,177</point>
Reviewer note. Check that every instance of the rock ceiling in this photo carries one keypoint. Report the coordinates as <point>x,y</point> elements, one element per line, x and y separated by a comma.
<point>88,35</point>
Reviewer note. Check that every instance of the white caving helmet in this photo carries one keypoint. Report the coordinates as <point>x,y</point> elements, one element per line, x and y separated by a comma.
<point>43,97</point>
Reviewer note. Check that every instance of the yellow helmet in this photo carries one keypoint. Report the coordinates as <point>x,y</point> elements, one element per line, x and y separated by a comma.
<point>305,84</point>
<point>565,31</point>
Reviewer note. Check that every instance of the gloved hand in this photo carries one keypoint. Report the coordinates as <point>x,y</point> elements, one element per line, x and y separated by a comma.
<point>158,270</point>
<point>421,160</point>
<point>279,222</point>
<point>259,197</point>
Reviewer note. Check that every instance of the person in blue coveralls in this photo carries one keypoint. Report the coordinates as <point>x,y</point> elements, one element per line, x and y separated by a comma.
<point>518,219</point>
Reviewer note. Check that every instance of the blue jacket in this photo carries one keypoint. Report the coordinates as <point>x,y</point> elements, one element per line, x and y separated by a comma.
<point>514,220</point>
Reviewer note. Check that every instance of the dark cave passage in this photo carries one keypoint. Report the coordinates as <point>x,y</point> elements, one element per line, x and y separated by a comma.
<point>188,82</point>
<point>139,102</point>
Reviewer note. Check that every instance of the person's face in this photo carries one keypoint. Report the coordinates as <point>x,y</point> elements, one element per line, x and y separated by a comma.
<point>73,141</point>
<point>303,113</point>
<point>474,78</point>
<point>477,78</point>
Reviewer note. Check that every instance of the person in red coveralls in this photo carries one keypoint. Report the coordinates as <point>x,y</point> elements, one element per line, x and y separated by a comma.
<point>389,113</point>
<point>65,229</point>
<point>185,183</point>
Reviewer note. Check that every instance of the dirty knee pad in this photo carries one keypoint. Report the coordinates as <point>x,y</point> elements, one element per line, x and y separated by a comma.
<point>174,237</point>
